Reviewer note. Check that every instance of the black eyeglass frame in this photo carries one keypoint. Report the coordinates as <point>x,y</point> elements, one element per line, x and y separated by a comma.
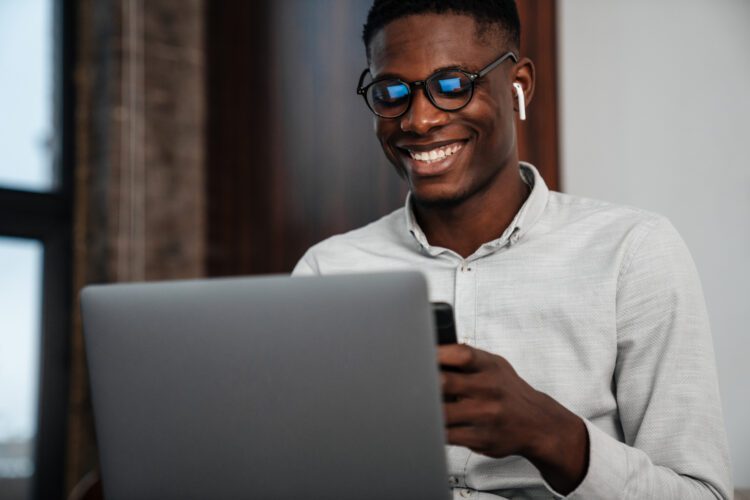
<point>473,77</point>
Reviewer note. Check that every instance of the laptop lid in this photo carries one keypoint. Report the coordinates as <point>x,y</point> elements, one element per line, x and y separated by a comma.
<point>266,387</point>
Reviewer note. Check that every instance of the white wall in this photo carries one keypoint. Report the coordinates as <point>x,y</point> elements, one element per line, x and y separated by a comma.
<point>655,112</point>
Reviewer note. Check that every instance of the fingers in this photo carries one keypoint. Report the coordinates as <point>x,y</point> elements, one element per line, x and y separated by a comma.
<point>477,427</point>
<point>481,385</point>
<point>455,415</point>
<point>469,412</point>
<point>453,384</point>
<point>470,437</point>
<point>459,356</point>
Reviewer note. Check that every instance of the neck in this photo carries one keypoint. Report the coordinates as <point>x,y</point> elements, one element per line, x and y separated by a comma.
<point>482,217</point>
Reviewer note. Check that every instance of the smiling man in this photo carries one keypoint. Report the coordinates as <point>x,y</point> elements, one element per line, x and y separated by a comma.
<point>585,367</point>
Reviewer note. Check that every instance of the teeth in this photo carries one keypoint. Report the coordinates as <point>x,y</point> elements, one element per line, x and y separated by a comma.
<point>436,154</point>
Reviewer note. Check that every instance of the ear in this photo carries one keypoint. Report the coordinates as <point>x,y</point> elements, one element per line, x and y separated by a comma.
<point>523,74</point>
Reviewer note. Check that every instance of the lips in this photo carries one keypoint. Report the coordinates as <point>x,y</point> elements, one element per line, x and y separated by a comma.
<point>432,158</point>
<point>435,154</point>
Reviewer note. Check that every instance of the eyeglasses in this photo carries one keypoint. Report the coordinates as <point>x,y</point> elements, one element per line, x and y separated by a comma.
<point>447,90</point>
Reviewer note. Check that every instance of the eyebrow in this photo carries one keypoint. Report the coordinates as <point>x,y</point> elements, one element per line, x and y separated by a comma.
<point>461,66</point>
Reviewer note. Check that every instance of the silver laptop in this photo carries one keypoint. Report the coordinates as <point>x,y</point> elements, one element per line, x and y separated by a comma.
<point>268,387</point>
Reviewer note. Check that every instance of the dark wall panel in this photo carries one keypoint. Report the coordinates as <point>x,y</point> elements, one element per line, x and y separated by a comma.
<point>538,140</point>
<point>291,153</point>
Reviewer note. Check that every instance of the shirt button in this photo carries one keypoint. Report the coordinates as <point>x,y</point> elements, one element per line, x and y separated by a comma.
<point>465,493</point>
<point>453,480</point>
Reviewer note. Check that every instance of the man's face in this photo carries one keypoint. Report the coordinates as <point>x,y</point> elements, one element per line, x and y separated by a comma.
<point>478,141</point>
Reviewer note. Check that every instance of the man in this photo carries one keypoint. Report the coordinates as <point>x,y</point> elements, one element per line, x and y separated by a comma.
<point>585,367</point>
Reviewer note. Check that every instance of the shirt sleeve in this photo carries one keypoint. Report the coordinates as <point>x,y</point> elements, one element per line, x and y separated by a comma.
<point>665,382</point>
<point>306,266</point>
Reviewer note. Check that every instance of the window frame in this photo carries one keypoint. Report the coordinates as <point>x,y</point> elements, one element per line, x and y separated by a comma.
<point>47,218</point>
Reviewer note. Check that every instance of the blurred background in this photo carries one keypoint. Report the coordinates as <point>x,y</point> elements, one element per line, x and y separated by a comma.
<point>171,139</point>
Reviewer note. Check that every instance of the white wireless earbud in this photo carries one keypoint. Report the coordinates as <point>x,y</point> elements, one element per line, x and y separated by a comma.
<point>521,100</point>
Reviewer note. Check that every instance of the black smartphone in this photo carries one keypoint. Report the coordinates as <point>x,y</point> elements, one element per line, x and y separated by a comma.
<point>445,326</point>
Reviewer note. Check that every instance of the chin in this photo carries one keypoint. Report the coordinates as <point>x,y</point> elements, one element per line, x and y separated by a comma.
<point>438,200</point>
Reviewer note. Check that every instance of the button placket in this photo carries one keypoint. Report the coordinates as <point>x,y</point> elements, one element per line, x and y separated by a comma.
<point>465,301</point>
<point>464,308</point>
<point>456,482</point>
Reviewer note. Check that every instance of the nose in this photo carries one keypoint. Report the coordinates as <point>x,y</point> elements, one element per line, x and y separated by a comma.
<point>422,115</point>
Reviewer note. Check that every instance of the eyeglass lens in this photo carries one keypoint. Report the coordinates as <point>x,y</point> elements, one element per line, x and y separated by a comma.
<point>449,90</point>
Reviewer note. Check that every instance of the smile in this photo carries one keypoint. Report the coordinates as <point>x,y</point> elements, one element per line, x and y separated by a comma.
<point>436,154</point>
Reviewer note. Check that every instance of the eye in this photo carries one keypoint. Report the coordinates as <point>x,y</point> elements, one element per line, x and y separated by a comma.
<point>389,93</point>
<point>450,84</point>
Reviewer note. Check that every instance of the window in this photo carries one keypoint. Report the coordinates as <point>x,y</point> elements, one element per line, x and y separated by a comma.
<point>20,313</point>
<point>26,94</point>
<point>35,256</point>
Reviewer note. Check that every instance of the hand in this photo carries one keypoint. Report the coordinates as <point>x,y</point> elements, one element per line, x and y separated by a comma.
<point>491,410</point>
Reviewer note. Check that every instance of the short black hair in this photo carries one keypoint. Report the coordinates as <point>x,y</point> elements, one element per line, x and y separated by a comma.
<point>487,14</point>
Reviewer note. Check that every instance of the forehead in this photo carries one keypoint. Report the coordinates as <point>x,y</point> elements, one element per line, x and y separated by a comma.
<point>414,46</point>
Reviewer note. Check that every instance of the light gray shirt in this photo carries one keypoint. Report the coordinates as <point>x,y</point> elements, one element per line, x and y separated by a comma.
<point>597,305</point>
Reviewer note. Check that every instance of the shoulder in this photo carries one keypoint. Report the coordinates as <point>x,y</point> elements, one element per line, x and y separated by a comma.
<point>599,221</point>
<point>388,229</point>
<point>383,237</point>
<point>567,208</point>
<point>626,236</point>
<point>647,245</point>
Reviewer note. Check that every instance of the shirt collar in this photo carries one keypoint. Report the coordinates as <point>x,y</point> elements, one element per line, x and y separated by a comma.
<point>524,220</point>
